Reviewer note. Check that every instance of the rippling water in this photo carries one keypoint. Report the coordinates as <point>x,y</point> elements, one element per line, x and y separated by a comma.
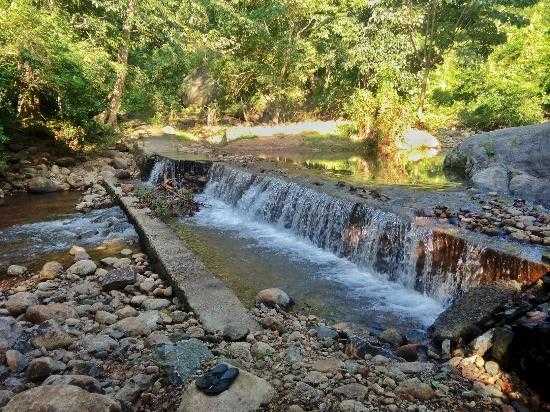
<point>251,255</point>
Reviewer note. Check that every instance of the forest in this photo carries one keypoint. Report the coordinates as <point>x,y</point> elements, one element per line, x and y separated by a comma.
<point>75,68</point>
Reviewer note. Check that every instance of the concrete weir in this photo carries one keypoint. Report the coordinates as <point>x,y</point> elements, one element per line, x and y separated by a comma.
<point>214,303</point>
<point>436,259</point>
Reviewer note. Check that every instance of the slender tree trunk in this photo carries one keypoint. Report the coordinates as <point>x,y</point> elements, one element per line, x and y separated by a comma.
<point>28,103</point>
<point>115,98</point>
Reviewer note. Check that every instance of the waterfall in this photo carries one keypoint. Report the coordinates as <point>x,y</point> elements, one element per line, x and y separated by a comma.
<point>157,172</point>
<point>424,258</point>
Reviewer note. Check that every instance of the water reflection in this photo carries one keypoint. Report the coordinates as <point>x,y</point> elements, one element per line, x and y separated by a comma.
<point>418,167</point>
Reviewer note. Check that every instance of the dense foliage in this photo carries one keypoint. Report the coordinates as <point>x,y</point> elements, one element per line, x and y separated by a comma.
<point>75,67</point>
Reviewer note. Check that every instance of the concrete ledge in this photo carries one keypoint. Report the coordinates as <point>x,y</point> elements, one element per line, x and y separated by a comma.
<point>213,302</point>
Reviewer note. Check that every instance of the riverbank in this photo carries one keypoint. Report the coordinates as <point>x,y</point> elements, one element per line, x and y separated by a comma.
<point>114,327</point>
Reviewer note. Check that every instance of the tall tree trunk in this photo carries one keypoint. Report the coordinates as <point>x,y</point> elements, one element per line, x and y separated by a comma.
<point>115,98</point>
<point>28,103</point>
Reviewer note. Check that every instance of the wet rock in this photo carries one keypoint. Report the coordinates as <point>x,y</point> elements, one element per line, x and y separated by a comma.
<point>392,336</point>
<point>481,344</point>
<point>118,279</point>
<point>85,382</point>
<point>461,319</point>
<point>41,184</point>
<point>16,270</point>
<point>412,352</point>
<point>182,359</point>
<point>217,379</point>
<point>274,296</point>
<point>247,394</point>
<point>61,398</point>
<point>502,338</point>
<point>82,268</point>
<point>40,368</point>
<point>416,389</point>
<point>13,336</point>
<point>19,302</point>
<point>5,397</point>
<point>55,311</point>
<point>51,270</point>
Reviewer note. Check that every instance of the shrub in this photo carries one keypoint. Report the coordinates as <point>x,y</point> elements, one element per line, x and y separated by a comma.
<point>380,119</point>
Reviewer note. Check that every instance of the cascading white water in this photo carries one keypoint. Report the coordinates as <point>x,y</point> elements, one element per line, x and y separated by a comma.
<point>378,240</point>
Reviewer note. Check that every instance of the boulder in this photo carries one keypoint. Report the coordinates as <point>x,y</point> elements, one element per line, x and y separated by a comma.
<point>248,393</point>
<point>521,150</point>
<point>416,389</point>
<point>85,382</point>
<point>19,302</point>
<point>82,268</point>
<point>493,178</point>
<point>51,270</point>
<point>41,184</point>
<point>182,359</point>
<point>462,318</point>
<point>274,296</point>
<point>16,270</point>
<point>50,336</point>
<point>55,311</point>
<point>118,279</point>
<point>40,368</point>
<point>61,398</point>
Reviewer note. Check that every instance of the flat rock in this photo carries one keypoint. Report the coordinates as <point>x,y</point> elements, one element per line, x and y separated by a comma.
<point>118,279</point>
<point>85,382</point>
<point>352,391</point>
<point>61,398</point>
<point>155,304</point>
<point>328,365</point>
<point>141,325</point>
<point>462,317</point>
<point>415,388</point>
<point>247,394</point>
<point>51,336</point>
<point>182,359</point>
<point>82,268</point>
<point>55,311</point>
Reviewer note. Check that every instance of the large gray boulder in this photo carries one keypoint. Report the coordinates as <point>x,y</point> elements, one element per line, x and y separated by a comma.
<point>248,393</point>
<point>41,184</point>
<point>514,161</point>
<point>462,319</point>
<point>61,398</point>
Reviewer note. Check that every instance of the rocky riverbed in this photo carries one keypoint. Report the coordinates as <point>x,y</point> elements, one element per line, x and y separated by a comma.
<point>111,335</point>
<point>88,333</point>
